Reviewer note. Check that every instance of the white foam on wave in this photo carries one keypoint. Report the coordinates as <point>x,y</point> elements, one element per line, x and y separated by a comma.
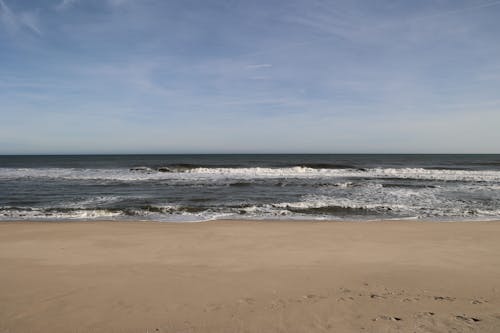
<point>250,173</point>
<point>474,196</point>
<point>169,213</point>
<point>315,202</point>
<point>422,203</point>
<point>306,172</point>
<point>176,213</point>
<point>92,201</point>
<point>344,184</point>
<point>41,214</point>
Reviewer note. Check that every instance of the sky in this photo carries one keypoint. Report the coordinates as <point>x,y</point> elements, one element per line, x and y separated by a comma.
<point>234,76</point>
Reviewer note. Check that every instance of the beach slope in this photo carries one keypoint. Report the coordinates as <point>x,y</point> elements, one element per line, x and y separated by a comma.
<point>241,276</point>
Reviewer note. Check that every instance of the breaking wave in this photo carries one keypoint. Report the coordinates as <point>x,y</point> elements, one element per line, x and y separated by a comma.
<point>253,189</point>
<point>143,174</point>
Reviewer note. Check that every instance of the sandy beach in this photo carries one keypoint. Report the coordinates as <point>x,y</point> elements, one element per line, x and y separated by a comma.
<point>241,276</point>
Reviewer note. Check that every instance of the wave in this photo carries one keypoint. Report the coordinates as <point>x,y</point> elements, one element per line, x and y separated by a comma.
<point>200,173</point>
<point>166,213</point>
<point>402,204</point>
<point>328,166</point>
<point>183,167</point>
<point>241,184</point>
<point>332,210</point>
<point>178,167</point>
<point>406,185</point>
<point>359,208</point>
<point>28,213</point>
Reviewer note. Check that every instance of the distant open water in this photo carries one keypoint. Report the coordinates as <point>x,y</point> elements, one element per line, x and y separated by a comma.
<point>204,187</point>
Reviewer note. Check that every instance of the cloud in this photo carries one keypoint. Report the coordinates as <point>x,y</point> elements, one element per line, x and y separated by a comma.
<point>353,23</point>
<point>30,20</point>
<point>6,16</point>
<point>258,66</point>
<point>335,66</point>
<point>459,10</point>
<point>65,4</point>
<point>15,22</point>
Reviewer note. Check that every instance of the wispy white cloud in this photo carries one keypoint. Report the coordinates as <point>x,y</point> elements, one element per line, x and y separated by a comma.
<point>258,66</point>
<point>459,10</point>
<point>6,16</point>
<point>343,69</point>
<point>14,22</point>
<point>30,20</point>
<point>356,24</point>
<point>65,4</point>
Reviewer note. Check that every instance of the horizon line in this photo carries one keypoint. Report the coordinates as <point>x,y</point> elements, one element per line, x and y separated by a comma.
<point>215,153</point>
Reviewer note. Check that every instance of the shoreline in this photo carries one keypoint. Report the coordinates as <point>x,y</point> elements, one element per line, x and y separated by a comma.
<point>263,220</point>
<point>256,276</point>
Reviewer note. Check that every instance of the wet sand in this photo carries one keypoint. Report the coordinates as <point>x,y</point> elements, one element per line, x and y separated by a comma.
<point>241,276</point>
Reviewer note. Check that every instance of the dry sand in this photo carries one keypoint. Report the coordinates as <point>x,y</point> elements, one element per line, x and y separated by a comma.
<point>231,276</point>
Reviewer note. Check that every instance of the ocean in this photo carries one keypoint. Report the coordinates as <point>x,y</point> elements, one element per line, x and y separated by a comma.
<point>189,188</point>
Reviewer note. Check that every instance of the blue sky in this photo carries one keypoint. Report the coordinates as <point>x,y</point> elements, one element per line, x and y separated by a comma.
<point>159,76</point>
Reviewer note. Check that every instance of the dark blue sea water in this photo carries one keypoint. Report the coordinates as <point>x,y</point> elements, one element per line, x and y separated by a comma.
<point>203,187</point>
